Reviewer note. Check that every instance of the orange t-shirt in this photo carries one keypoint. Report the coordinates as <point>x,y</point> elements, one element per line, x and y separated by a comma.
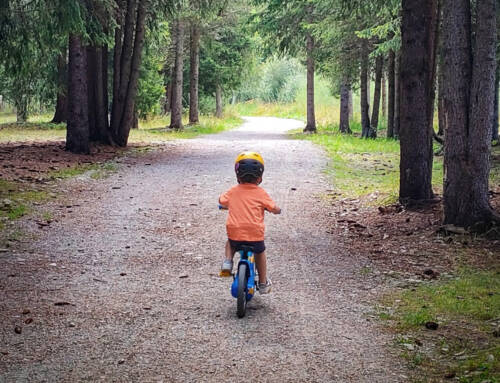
<point>246,204</point>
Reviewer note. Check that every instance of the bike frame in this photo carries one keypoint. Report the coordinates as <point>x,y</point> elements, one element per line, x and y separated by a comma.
<point>246,256</point>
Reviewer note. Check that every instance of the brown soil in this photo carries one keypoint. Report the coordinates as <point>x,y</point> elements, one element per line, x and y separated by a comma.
<point>32,162</point>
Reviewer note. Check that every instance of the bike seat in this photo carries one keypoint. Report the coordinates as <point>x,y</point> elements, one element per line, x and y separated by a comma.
<point>245,248</point>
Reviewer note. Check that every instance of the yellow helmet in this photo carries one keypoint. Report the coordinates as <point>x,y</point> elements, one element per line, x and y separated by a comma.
<point>249,164</point>
<point>249,156</point>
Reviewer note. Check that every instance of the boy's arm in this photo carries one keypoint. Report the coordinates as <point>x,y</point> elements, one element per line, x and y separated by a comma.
<point>224,200</point>
<point>270,205</point>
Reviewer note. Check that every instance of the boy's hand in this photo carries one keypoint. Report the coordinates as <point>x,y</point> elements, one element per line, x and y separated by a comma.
<point>276,210</point>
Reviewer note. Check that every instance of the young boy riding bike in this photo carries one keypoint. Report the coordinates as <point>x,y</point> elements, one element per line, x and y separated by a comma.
<point>247,203</point>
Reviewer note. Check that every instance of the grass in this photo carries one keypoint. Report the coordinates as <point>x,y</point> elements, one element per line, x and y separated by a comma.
<point>153,130</point>
<point>16,202</point>
<point>96,171</point>
<point>466,309</point>
<point>473,296</point>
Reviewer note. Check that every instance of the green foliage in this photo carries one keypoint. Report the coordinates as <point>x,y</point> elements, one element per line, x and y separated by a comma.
<point>222,58</point>
<point>151,90</point>
<point>280,80</point>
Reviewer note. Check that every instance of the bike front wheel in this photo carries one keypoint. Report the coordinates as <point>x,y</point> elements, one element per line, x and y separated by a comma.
<point>241,304</point>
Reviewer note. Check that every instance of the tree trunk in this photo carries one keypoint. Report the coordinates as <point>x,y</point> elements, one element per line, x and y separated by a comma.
<point>126,48</point>
<point>418,36</point>
<point>384,95</point>
<point>469,81</point>
<point>345,88</point>
<point>21,104</point>
<point>177,81</point>
<point>168,96</point>
<point>127,120</point>
<point>441,104</point>
<point>397,94</point>
<point>494,135</point>
<point>194,73</point>
<point>351,105</point>
<point>379,66</point>
<point>117,57</point>
<point>77,135</point>
<point>218,101</point>
<point>91,91</point>
<point>391,94</point>
<point>61,114</point>
<point>365,108</point>
<point>311,117</point>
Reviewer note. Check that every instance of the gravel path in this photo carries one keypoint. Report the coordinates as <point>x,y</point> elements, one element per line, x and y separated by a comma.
<point>123,286</point>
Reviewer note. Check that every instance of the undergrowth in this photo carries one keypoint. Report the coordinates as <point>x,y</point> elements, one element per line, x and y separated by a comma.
<point>466,346</point>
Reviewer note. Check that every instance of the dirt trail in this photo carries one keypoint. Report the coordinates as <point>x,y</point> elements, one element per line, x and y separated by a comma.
<point>136,256</point>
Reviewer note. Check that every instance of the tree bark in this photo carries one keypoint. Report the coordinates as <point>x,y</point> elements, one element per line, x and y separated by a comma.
<point>168,96</point>
<point>384,95</point>
<point>126,49</point>
<point>365,107</point>
<point>117,57</point>
<point>21,104</point>
<point>397,94</point>
<point>379,66</point>
<point>218,101</point>
<point>351,105</point>
<point>494,128</point>
<point>177,81</point>
<point>345,88</point>
<point>441,104</point>
<point>127,120</point>
<point>469,81</point>
<point>311,117</point>
<point>194,73</point>
<point>391,94</point>
<point>418,36</point>
<point>61,113</point>
<point>77,135</point>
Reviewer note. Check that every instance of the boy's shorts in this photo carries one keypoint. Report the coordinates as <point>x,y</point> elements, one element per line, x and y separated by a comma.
<point>258,246</point>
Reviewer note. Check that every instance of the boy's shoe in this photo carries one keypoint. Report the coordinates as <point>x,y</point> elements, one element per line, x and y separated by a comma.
<point>226,269</point>
<point>265,288</point>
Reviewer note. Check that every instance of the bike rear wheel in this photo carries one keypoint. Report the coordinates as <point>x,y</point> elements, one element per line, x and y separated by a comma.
<point>241,304</point>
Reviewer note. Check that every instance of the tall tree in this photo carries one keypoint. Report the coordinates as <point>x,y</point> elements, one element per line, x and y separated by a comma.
<point>177,78</point>
<point>468,91</point>
<point>379,67</point>
<point>345,89</point>
<point>391,81</point>
<point>418,34</point>
<point>194,69</point>
<point>366,129</point>
<point>61,113</point>
<point>311,116</point>
<point>77,133</point>
<point>129,43</point>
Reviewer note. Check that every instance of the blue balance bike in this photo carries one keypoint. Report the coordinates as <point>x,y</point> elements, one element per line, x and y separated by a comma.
<point>244,285</point>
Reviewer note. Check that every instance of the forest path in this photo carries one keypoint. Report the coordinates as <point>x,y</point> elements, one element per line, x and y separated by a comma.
<point>123,286</point>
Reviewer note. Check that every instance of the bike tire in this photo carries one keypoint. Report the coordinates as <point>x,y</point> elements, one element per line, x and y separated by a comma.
<point>241,304</point>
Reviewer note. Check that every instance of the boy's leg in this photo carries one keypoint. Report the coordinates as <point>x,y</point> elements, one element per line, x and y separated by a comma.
<point>261,263</point>
<point>229,251</point>
<point>227,265</point>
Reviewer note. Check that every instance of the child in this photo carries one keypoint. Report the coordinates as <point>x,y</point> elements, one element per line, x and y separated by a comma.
<point>245,223</point>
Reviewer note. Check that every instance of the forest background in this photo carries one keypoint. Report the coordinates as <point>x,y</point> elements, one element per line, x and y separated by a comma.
<point>402,94</point>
